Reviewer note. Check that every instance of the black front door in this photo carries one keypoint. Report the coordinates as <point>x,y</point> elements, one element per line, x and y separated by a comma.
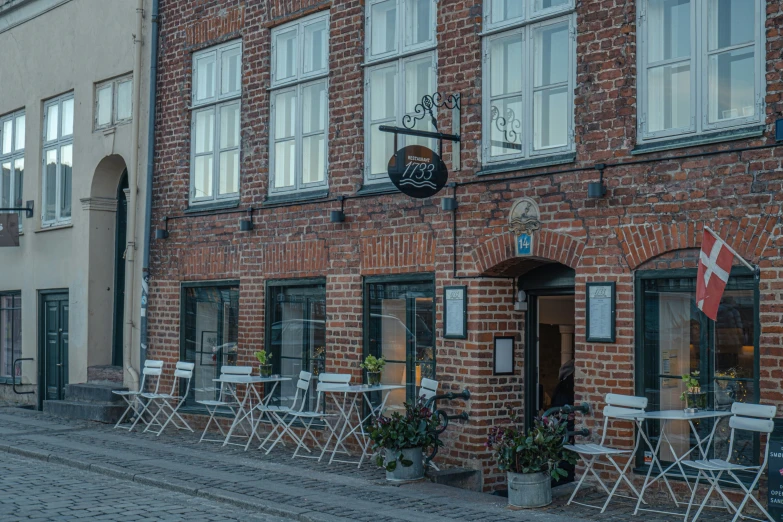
<point>54,327</point>
<point>119,270</point>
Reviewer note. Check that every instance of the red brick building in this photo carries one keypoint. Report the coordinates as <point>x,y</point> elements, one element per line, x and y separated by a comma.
<point>269,111</point>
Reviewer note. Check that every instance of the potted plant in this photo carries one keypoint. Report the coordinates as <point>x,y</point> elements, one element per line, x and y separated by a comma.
<point>374,367</point>
<point>692,396</point>
<point>264,364</point>
<point>531,460</point>
<point>399,441</point>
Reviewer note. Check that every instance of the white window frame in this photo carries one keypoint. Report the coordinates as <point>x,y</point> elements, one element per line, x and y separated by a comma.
<point>297,84</point>
<point>529,14</point>
<point>113,85</point>
<point>214,104</point>
<point>699,66</point>
<point>398,58</point>
<point>57,145</point>
<point>528,90</point>
<point>16,154</point>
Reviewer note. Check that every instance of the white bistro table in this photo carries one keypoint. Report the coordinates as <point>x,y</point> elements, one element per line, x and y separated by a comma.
<point>250,402</point>
<point>702,444</point>
<point>349,408</point>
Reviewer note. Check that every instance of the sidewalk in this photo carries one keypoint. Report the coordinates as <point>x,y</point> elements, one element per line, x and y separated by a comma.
<point>275,484</point>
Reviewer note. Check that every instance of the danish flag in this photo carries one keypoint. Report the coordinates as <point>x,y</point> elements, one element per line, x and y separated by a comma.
<point>714,267</point>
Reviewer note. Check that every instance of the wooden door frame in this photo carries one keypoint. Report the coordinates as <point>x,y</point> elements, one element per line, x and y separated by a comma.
<point>42,298</point>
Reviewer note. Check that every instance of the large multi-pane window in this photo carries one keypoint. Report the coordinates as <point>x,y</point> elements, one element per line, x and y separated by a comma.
<point>209,334</point>
<point>113,102</point>
<point>296,334</point>
<point>299,115</point>
<point>215,119</point>
<point>529,71</point>
<point>57,160</point>
<point>399,51</point>
<point>700,66</point>
<point>675,338</point>
<point>10,332</point>
<point>400,323</point>
<point>12,127</point>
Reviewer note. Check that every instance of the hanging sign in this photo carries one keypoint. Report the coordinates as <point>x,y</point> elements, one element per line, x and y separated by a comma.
<point>9,230</point>
<point>418,171</point>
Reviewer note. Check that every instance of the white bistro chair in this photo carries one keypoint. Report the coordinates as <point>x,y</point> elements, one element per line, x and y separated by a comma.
<point>294,412</point>
<point>616,407</point>
<point>327,382</point>
<point>755,418</point>
<point>428,390</point>
<point>227,400</point>
<point>152,371</point>
<point>168,404</point>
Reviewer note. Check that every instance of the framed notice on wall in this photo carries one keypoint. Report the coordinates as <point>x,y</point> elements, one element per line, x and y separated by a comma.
<point>601,312</point>
<point>455,312</point>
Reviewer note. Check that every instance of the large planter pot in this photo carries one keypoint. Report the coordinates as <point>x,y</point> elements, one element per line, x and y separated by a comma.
<point>401,473</point>
<point>529,490</point>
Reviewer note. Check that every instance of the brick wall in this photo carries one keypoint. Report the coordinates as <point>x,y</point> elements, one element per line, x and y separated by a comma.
<point>652,215</point>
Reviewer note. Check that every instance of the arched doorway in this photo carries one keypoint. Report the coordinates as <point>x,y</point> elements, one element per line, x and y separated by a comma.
<point>120,229</point>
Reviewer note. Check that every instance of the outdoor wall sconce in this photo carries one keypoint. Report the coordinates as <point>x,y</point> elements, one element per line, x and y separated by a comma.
<point>597,189</point>
<point>246,225</point>
<point>448,204</point>
<point>163,233</point>
<point>503,359</point>
<point>338,216</point>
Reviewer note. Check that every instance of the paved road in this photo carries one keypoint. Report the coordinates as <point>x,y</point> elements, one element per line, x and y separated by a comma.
<point>43,491</point>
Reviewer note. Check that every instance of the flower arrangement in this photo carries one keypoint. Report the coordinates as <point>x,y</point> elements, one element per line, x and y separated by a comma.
<point>540,450</point>
<point>264,361</point>
<point>415,429</point>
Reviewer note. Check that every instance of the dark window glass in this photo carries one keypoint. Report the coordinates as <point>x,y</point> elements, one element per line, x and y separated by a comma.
<point>402,330</point>
<point>10,333</point>
<point>210,326</point>
<point>679,339</point>
<point>297,336</point>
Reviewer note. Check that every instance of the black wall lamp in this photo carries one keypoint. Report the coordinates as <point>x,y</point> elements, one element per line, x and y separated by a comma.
<point>338,216</point>
<point>163,233</point>
<point>246,225</point>
<point>449,204</point>
<point>597,189</point>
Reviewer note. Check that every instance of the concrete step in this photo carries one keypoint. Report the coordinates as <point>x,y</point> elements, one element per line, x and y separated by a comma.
<point>104,374</point>
<point>93,392</point>
<point>109,412</point>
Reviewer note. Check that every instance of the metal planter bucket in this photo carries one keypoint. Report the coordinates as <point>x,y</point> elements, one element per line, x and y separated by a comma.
<point>529,490</point>
<point>401,473</point>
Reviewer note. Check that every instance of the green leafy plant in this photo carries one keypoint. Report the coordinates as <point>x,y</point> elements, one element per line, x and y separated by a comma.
<point>417,428</point>
<point>692,396</point>
<point>540,450</point>
<point>263,357</point>
<point>373,364</point>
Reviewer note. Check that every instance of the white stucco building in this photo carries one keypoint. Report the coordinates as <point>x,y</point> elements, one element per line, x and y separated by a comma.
<point>74,111</point>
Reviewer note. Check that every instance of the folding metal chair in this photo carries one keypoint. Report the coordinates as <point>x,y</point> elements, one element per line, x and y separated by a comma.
<point>164,401</point>
<point>428,390</point>
<point>327,382</point>
<point>746,417</point>
<point>279,413</point>
<point>226,400</point>
<point>153,369</point>
<point>616,407</point>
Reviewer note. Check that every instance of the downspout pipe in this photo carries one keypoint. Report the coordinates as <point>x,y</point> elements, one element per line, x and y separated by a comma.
<point>132,377</point>
<point>150,169</point>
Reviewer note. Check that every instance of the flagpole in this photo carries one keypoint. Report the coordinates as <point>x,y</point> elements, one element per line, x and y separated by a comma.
<point>716,236</point>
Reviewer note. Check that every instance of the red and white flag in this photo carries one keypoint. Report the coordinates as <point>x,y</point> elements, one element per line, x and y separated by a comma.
<point>715,262</point>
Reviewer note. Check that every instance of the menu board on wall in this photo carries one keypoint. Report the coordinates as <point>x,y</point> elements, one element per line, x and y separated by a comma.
<point>601,312</point>
<point>455,312</point>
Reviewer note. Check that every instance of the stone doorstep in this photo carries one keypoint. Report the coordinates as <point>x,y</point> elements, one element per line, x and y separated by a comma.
<point>104,374</point>
<point>106,412</point>
<point>94,392</point>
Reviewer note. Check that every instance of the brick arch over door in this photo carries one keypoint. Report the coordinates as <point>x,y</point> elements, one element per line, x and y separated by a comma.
<point>547,244</point>
<point>640,243</point>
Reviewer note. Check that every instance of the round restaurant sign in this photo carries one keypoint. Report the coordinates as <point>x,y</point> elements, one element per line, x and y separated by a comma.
<point>418,171</point>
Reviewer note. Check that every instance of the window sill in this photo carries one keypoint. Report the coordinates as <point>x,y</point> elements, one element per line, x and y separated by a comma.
<point>296,197</point>
<point>385,187</point>
<point>206,207</point>
<point>701,139</point>
<point>54,227</point>
<point>531,163</point>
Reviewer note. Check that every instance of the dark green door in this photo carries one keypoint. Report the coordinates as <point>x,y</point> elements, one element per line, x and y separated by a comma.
<point>55,350</point>
<point>119,270</point>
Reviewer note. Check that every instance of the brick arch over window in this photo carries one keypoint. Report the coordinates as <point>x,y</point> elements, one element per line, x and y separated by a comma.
<point>640,243</point>
<point>547,244</point>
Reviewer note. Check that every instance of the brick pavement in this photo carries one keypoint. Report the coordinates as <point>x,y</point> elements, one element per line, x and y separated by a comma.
<point>274,484</point>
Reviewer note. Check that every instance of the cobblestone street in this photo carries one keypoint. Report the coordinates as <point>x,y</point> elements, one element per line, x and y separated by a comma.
<point>57,469</point>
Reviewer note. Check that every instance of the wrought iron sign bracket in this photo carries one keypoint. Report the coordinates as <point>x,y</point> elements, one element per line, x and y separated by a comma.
<point>28,209</point>
<point>426,108</point>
